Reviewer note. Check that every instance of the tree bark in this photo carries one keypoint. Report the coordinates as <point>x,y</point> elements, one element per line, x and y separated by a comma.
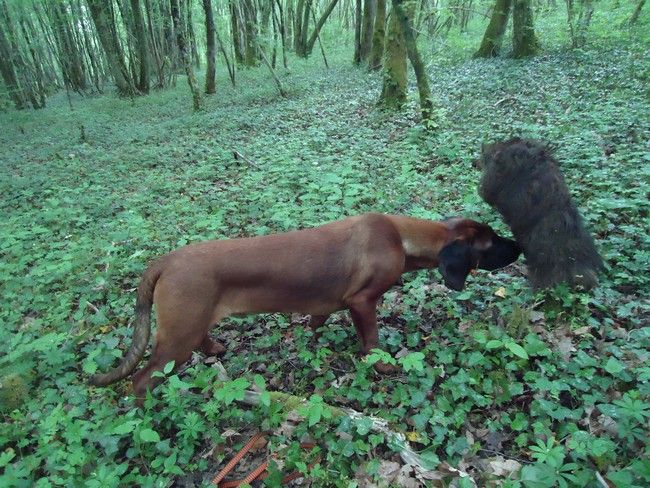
<point>378,36</point>
<point>236,35</point>
<point>637,11</point>
<point>424,91</point>
<point>393,92</point>
<point>357,32</point>
<point>103,24</point>
<point>210,47</point>
<point>248,18</point>
<point>493,37</point>
<point>524,41</point>
<point>319,25</point>
<point>184,54</point>
<point>369,8</point>
<point>143,51</point>
<point>9,72</point>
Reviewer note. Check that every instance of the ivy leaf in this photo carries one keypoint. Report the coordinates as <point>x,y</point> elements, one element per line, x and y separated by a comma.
<point>614,366</point>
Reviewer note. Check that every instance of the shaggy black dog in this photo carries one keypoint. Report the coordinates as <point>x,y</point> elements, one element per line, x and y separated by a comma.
<point>522,181</point>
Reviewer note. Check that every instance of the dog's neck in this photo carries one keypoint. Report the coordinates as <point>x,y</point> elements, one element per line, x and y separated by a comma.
<point>422,240</point>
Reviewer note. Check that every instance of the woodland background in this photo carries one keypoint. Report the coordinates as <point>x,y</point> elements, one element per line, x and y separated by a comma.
<point>118,144</point>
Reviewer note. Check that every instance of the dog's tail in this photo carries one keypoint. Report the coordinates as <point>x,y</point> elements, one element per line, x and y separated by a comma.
<point>142,329</point>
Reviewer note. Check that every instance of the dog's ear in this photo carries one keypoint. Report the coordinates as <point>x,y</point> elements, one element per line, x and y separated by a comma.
<point>455,261</point>
<point>501,252</point>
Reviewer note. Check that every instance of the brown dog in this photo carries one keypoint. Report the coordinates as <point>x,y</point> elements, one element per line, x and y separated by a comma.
<point>347,264</point>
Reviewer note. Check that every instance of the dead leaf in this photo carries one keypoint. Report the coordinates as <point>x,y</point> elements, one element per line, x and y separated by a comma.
<point>536,316</point>
<point>501,467</point>
<point>501,292</point>
<point>406,479</point>
<point>582,330</point>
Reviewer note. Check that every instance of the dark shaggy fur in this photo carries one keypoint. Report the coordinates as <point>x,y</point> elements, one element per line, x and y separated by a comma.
<point>522,181</point>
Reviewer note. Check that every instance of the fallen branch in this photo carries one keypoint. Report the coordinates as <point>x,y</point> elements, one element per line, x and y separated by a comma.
<point>237,155</point>
<point>397,440</point>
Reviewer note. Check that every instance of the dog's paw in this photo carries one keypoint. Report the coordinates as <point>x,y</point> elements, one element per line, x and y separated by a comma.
<point>384,368</point>
<point>210,347</point>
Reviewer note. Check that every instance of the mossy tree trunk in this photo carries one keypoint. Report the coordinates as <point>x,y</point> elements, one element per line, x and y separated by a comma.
<point>357,32</point>
<point>405,16</point>
<point>393,92</point>
<point>493,37</point>
<point>379,34</point>
<point>185,54</point>
<point>9,73</point>
<point>637,11</point>
<point>143,49</point>
<point>249,20</point>
<point>524,41</point>
<point>236,37</point>
<point>210,47</point>
<point>102,18</point>
<point>369,8</point>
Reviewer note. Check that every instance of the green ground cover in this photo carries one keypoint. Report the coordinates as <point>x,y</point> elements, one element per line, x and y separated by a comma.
<point>556,382</point>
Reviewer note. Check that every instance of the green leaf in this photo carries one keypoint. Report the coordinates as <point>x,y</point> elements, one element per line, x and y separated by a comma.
<point>169,367</point>
<point>493,344</point>
<point>614,366</point>
<point>149,435</point>
<point>516,349</point>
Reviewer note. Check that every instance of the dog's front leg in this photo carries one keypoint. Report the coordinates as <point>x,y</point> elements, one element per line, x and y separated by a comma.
<point>364,318</point>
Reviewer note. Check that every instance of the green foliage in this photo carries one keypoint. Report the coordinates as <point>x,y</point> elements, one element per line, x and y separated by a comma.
<point>558,380</point>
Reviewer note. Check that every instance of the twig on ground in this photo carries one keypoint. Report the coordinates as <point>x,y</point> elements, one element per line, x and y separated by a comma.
<point>237,155</point>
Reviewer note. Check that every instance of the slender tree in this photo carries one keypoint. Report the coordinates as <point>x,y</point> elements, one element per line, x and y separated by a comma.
<point>210,47</point>
<point>637,11</point>
<point>524,41</point>
<point>378,36</point>
<point>369,8</point>
<point>103,20</point>
<point>8,70</point>
<point>393,92</point>
<point>493,37</point>
<point>184,53</point>
<point>357,32</point>
<point>143,48</point>
<point>404,17</point>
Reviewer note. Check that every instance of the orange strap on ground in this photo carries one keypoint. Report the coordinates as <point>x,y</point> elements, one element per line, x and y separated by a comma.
<point>258,473</point>
<point>238,457</point>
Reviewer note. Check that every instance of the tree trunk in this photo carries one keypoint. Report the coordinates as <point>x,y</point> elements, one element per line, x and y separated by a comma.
<point>103,24</point>
<point>493,37</point>
<point>236,35</point>
<point>524,41</point>
<point>210,47</point>
<point>424,91</point>
<point>184,54</point>
<point>393,92</point>
<point>191,36</point>
<point>319,25</point>
<point>369,8</point>
<point>637,12</point>
<point>357,32</point>
<point>378,36</point>
<point>249,17</point>
<point>9,73</point>
<point>283,34</point>
<point>143,51</point>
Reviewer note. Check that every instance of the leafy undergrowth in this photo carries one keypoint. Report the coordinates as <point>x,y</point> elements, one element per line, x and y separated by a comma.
<point>511,387</point>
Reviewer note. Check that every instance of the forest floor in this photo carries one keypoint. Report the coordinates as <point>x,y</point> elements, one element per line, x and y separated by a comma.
<point>90,195</point>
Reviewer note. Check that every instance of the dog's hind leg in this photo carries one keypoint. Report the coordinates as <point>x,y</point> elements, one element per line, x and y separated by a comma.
<point>211,347</point>
<point>180,331</point>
